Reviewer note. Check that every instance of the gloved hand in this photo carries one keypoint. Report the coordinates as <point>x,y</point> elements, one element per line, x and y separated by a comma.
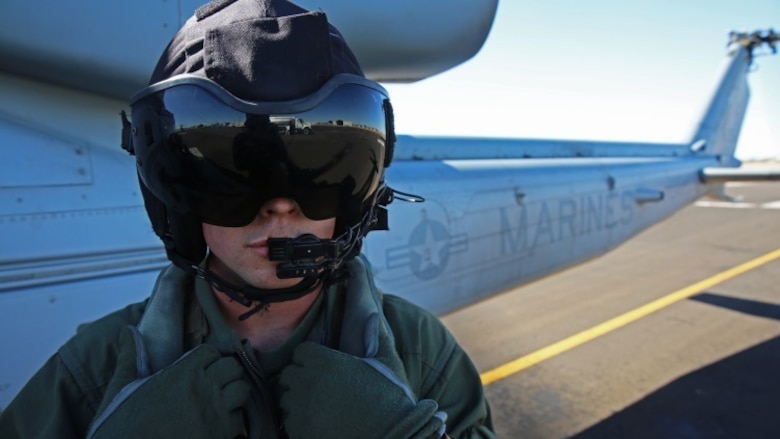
<point>330,394</point>
<point>198,396</point>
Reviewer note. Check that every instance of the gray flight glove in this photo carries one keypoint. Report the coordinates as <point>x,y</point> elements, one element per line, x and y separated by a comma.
<point>330,394</point>
<point>197,397</point>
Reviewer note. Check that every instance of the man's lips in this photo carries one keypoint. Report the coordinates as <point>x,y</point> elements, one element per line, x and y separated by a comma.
<point>258,243</point>
<point>260,246</point>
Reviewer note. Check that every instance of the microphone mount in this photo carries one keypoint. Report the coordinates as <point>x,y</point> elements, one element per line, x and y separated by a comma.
<point>303,256</point>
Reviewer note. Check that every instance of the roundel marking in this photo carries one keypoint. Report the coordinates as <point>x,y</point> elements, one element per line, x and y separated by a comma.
<point>429,249</point>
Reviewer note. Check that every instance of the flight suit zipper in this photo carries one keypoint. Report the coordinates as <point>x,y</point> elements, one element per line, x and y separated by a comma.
<point>258,378</point>
<point>249,364</point>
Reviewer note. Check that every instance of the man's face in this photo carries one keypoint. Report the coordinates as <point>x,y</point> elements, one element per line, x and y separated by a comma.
<point>240,254</point>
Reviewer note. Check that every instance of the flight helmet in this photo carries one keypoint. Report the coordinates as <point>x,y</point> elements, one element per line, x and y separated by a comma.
<point>253,100</point>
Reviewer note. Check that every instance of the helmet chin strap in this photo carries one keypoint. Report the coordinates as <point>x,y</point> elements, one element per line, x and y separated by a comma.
<point>308,257</point>
<point>249,295</point>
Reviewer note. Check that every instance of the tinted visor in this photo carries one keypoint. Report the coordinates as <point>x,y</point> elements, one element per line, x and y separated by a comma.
<point>206,153</point>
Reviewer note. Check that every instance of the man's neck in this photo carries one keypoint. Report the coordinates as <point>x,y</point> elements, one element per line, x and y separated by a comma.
<point>269,328</point>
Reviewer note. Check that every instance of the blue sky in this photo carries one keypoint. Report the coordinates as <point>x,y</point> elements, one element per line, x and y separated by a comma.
<point>601,70</point>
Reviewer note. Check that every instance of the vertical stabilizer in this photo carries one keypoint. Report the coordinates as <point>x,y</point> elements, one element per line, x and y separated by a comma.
<point>718,130</point>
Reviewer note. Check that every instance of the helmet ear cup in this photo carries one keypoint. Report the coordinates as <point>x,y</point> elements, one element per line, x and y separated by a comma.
<point>187,237</point>
<point>156,211</point>
<point>181,234</point>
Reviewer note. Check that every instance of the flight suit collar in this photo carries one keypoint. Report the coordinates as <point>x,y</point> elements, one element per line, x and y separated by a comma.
<point>206,324</point>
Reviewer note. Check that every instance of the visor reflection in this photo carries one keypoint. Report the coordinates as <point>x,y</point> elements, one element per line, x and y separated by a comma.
<point>206,159</point>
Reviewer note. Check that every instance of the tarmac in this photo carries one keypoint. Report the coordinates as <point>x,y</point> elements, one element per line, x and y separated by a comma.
<point>675,334</point>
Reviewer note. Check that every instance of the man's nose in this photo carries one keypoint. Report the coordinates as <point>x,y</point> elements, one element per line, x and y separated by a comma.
<point>279,206</point>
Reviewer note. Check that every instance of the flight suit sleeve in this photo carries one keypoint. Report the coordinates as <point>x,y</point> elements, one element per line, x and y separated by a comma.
<point>50,405</point>
<point>437,368</point>
<point>64,395</point>
<point>458,390</point>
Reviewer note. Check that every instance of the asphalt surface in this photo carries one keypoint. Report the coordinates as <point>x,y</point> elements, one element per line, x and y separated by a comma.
<point>707,366</point>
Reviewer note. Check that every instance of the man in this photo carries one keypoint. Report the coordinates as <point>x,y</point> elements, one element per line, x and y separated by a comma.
<point>267,324</point>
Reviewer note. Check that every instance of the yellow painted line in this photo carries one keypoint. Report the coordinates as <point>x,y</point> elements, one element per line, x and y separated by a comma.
<point>587,335</point>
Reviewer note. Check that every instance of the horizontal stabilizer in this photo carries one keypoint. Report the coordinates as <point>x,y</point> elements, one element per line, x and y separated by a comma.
<point>718,175</point>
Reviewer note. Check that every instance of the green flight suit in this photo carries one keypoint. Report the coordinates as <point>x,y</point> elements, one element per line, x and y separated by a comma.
<point>70,391</point>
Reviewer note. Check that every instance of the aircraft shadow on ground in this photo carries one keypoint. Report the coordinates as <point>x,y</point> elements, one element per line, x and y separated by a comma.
<point>737,397</point>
